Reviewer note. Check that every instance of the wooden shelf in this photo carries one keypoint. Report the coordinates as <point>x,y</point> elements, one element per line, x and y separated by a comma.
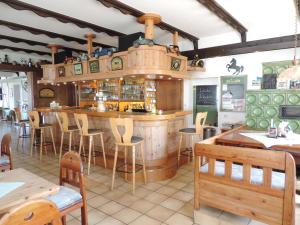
<point>195,68</point>
<point>17,68</point>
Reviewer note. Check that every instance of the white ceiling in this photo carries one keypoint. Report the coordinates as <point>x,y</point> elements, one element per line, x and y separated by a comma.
<point>262,18</point>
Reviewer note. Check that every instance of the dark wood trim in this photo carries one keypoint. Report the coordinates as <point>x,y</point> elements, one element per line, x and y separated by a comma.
<point>128,10</point>
<point>24,50</point>
<point>35,43</point>
<point>18,5</point>
<point>18,68</point>
<point>35,31</point>
<point>269,44</point>
<point>219,11</point>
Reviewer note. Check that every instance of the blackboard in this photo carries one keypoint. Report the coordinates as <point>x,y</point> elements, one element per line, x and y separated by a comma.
<point>269,81</point>
<point>206,95</point>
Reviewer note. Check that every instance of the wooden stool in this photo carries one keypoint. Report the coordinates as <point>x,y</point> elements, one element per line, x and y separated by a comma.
<point>200,121</point>
<point>34,121</point>
<point>126,140</point>
<point>83,126</point>
<point>63,121</point>
<point>22,124</point>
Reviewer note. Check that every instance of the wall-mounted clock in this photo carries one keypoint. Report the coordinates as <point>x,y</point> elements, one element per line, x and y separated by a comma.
<point>46,93</point>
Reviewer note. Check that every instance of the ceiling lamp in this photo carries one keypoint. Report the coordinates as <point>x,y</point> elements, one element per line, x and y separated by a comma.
<point>293,72</point>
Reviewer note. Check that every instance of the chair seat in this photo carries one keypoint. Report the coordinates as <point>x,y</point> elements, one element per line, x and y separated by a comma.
<point>188,130</point>
<point>45,125</point>
<point>278,178</point>
<point>72,128</point>
<point>4,160</point>
<point>65,198</point>
<point>94,131</point>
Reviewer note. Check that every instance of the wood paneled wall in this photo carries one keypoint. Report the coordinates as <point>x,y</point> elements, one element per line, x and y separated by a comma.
<point>169,95</point>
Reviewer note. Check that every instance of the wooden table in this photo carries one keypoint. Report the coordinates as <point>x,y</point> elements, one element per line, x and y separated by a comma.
<point>234,138</point>
<point>34,187</point>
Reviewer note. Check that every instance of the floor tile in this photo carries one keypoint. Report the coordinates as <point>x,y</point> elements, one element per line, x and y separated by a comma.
<point>142,205</point>
<point>111,207</point>
<point>179,219</point>
<point>160,213</point>
<point>127,215</point>
<point>172,203</point>
<point>110,221</point>
<point>145,220</point>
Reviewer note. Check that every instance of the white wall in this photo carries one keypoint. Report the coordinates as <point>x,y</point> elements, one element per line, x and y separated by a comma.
<point>216,67</point>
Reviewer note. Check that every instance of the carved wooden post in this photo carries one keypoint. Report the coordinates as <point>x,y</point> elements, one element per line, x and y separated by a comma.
<point>54,48</point>
<point>175,38</point>
<point>149,19</point>
<point>90,37</point>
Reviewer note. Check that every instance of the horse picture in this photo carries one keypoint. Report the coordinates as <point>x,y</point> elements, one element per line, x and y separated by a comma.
<point>232,66</point>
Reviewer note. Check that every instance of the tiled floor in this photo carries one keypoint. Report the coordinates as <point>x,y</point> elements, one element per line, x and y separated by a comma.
<point>167,202</point>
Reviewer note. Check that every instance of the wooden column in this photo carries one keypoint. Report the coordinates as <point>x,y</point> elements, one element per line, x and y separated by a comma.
<point>175,38</point>
<point>54,48</point>
<point>90,37</point>
<point>149,19</point>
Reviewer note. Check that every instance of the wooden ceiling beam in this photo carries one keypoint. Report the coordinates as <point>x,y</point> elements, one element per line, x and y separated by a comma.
<point>18,5</point>
<point>219,11</point>
<point>269,44</point>
<point>128,10</point>
<point>24,50</point>
<point>35,43</point>
<point>35,31</point>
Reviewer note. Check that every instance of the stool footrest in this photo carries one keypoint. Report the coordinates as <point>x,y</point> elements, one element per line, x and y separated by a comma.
<point>121,168</point>
<point>187,152</point>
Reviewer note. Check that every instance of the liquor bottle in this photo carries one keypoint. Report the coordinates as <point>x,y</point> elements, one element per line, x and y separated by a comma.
<point>272,130</point>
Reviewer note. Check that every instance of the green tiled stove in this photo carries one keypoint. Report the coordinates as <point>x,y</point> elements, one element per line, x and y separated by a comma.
<point>263,105</point>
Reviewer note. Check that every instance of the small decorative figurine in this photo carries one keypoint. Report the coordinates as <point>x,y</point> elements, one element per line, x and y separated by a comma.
<point>197,62</point>
<point>29,62</point>
<point>143,41</point>
<point>173,49</point>
<point>6,61</point>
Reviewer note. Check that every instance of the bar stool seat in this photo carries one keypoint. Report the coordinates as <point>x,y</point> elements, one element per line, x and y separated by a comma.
<point>34,121</point>
<point>22,123</point>
<point>188,130</point>
<point>200,121</point>
<point>127,140</point>
<point>63,121</point>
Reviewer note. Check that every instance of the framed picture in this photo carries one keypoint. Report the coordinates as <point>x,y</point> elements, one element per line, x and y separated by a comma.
<point>175,64</point>
<point>116,63</point>
<point>61,71</point>
<point>94,66</point>
<point>46,93</point>
<point>78,69</point>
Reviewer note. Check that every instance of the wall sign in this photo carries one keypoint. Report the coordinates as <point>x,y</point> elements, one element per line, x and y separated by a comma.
<point>116,63</point>
<point>94,66</point>
<point>175,64</point>
<point>61,71</point>
<point>78,69</point>
<point>46,93</point>
<point>233,91</point>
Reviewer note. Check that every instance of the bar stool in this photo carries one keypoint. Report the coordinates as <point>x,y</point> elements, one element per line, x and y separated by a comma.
<point>63,121</point>
<point>198,130</point>
<point>84,131</point>
<point>126,139</point>
<point>34,121</point>
<point>22,124</point>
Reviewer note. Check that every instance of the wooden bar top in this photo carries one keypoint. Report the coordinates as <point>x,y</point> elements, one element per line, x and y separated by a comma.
<point>166,115</point>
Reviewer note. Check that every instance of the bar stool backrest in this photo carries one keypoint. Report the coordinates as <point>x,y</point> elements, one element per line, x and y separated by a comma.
<point>63,121</point>
<point>34,119</point>
<point>200,122</point>
<point>122,129</point>
<point>82,123</point>
<point>18,115</point>
<point>33,212</point>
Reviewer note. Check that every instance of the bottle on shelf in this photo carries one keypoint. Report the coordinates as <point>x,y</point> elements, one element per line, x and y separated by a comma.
<point>272,132</point>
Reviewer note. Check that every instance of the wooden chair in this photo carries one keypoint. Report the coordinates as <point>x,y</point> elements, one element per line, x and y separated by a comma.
<point>34,121</point>
<point>67,199</point>
<point>22,124</point>
<point>63,121</point>
<point>198,130</point>
<point>83,126</point>
<point>35,212</point>
<point>127,140</point>
<point>6,155</point>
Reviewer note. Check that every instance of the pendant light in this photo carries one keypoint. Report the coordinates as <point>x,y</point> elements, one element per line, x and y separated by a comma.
<point>293,72</point>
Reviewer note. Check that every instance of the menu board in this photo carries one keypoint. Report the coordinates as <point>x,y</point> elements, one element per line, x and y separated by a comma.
<point>206,95</point>
<point>233,92</point>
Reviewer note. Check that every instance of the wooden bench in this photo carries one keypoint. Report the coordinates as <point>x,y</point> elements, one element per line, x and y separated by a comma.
<point>259,201</point>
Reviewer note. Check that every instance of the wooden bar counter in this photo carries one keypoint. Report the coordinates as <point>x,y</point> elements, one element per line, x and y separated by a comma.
<point>160,133</point>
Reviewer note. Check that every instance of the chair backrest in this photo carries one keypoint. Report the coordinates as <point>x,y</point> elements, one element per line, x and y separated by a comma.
<point>71,172</point>
<point>126,124</point>
<point>200,122</point>
<point>34,119</point>
<point>82,123</point>
<point>18,114</point>
<point>5,147</point>
<point>35,212</point>
<point>63,121</point>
